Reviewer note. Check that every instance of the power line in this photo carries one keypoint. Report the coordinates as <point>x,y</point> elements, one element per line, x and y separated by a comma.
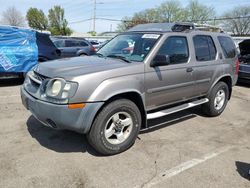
<point>122,20</point>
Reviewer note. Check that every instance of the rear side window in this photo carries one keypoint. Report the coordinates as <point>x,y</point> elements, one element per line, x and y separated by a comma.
<point>176,48</point>
<point>204,48</point>
<point>71,43</point>
<point>227,46</point>
<point>82,43</point>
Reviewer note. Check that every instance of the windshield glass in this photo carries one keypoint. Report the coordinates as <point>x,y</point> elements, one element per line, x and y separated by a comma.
<point>132,46</point>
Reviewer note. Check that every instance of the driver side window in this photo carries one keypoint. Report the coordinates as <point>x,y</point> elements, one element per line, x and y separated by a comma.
<point>176,47</point>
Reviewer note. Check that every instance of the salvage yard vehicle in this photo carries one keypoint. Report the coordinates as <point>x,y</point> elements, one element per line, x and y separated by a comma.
<point>73,47</point>
<point>111,96</point>
<point>244,68</point>
<point>21,49</point>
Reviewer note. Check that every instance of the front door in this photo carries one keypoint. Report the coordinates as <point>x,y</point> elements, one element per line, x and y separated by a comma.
<point>173,82</point>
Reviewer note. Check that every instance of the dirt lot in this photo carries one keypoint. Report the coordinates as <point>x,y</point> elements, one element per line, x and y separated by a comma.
<point>193,151</point>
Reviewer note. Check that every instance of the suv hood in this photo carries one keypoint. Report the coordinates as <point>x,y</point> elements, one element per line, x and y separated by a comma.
<point>77,66</point>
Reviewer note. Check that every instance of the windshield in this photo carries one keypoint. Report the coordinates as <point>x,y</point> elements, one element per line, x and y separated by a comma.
<point>131,47</point>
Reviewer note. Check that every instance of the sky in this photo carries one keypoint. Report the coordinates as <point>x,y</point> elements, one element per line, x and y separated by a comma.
<point>79,10</point>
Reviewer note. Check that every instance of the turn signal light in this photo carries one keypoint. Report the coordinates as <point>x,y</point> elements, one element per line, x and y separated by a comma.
<point>75,106</point>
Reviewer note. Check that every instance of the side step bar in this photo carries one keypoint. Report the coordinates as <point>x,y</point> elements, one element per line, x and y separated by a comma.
<point>176,109</point>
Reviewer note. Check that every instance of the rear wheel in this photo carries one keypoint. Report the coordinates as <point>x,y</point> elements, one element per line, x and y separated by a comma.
<point>115,128</point>
<point>82,55</point>
<point>218,99</point>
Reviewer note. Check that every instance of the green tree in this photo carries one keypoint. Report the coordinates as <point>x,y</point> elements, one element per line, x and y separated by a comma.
<point>58,25</point>
<point>37,19</point>
<point>169,11</point>
<point>197,12</point>
<point>92,33</point>
<point>239,26</point>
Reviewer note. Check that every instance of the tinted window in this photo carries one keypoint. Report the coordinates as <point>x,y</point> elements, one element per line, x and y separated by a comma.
<point>204,48</point>
<point>176,48</point>
<point>71,43</point>
<point>82,43</point>
<point>59,43</point>
<point>227,46</point>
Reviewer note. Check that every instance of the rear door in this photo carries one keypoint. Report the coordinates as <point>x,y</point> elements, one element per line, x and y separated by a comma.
<point>174,82</point>
<point>71,48</point>
<point>206,62</point>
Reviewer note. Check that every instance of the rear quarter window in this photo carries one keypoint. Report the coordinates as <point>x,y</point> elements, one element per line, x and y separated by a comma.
<point>204,48</point>
<point>228,46</point>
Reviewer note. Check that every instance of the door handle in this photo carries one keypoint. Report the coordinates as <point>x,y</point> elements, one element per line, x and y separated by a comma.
<point>190,69</point>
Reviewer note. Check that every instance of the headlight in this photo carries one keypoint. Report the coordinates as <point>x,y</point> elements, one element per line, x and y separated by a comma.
<point>60,89</point>
<point>56,87</point>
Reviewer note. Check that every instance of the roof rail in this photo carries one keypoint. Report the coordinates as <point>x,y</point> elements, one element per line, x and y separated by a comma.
<point>175,27</point>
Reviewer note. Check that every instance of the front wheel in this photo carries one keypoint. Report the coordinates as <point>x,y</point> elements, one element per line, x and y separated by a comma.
<point>115,128</point>
<point>218,99</point>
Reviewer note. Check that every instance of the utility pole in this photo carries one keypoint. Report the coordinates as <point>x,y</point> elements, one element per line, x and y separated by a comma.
<point>94,15</point>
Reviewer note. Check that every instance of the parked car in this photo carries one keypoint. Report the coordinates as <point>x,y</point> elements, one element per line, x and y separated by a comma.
<point>111,96</point>
<point>71,47</point>
<point>94,43</point>
<point>101,45</point>
<point>21,49</point>
<point>244,69</point>
<point>46,49</point>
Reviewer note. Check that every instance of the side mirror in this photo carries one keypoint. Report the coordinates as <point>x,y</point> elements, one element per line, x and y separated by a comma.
<point>160,60</point>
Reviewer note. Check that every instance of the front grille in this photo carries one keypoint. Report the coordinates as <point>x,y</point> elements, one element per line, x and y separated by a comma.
<point>39,77</point>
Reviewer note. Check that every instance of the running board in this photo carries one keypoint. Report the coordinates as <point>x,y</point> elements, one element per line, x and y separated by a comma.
<point>176,109</point>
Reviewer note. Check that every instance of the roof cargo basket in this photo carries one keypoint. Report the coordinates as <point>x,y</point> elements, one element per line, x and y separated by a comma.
<point>163,27</point>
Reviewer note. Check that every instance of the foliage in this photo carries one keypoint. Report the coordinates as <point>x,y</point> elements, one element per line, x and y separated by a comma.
<point>58,25</point>
<point>92,33</point>
<point>37,19</point>
<point>13,17</point>
<point>197,12</point>
<point>169,11</point>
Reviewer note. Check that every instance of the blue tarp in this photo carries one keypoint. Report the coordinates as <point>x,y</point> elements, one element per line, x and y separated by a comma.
<point>18,49</point>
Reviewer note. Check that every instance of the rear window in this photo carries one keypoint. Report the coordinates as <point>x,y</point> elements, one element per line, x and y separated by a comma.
<point>204,48</point>
<point>227,46</point>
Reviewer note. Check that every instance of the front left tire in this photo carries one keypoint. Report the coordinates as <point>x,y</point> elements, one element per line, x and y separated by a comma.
<point>115,128</point>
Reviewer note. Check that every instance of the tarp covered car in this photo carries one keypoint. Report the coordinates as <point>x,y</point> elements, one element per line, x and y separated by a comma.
<point>21,49</point>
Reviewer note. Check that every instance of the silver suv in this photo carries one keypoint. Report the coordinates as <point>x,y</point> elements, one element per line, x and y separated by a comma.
<point>145,73</point>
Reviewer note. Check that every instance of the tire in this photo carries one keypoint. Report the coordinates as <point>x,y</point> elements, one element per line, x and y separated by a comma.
<point>110,121</point>
<point>82,55</point>
<point>217,103</point>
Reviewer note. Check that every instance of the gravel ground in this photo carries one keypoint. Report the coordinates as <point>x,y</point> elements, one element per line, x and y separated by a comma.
<point>194,151</point>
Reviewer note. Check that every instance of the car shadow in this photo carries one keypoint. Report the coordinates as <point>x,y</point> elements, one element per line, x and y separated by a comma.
<point>58,141</point>
<point>68,142</point>
<point>243,169</point>
<point>11,82</point>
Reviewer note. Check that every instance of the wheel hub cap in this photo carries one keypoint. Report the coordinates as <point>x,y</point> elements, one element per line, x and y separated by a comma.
<point>118,128</point>
<point>219,99</point>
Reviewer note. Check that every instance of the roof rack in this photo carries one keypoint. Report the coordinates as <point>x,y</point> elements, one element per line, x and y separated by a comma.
<point>174,27</point>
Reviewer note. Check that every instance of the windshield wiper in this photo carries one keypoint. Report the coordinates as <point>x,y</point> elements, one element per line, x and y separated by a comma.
<point>119,57</point>
<point>99,54</point>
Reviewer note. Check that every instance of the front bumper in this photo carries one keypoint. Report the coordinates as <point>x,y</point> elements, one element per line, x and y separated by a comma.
<point>60,116</point>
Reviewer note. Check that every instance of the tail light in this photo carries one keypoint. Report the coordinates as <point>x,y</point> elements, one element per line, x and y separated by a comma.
<point>93,49</point>
<point>237,63</point>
